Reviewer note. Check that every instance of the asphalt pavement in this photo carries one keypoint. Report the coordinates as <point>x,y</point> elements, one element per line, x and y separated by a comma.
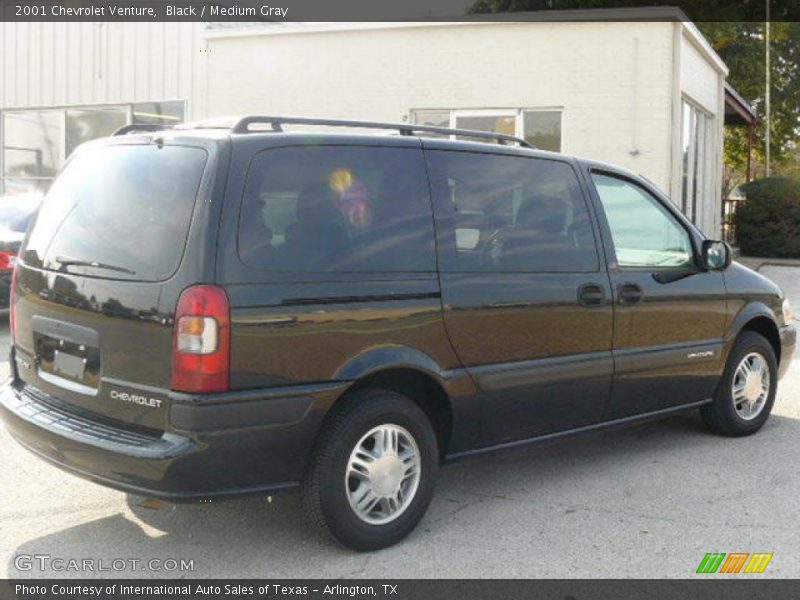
<point>647,501</point>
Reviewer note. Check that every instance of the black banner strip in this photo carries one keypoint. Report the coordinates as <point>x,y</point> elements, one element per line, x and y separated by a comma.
<point>742,587</point>
<point>278,11</point>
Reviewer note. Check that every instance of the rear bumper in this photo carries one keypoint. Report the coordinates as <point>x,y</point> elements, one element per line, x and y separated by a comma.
<point>788,334</point>
<point>227,447</point>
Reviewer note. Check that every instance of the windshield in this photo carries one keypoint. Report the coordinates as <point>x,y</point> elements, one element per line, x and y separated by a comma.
<point>120,212</point>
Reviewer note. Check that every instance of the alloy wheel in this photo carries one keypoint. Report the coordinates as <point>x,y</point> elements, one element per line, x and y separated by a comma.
<point>383,474</point>
<point>750,387</point>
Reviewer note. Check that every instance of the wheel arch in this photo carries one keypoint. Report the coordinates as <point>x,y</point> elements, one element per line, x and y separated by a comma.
<point>409,372</point>
<point>759,319</point>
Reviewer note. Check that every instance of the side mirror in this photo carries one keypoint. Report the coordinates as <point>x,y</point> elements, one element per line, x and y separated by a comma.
<point>716,255</point>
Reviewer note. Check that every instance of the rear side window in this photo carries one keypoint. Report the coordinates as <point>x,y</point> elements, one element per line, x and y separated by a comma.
<point>510,214</point>
<point>119,212</point>
<point>337,208</point>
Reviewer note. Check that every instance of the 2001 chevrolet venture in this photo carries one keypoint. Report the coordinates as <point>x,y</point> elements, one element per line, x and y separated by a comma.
<point>207,312</point>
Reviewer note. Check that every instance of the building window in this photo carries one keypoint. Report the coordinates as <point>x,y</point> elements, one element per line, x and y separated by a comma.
<point>157,113</point>
<point>696,132</point>
<point>33,149</point>
<point>504,122</point>
<point>435,118</point>
<point>542,128</point>
<point>37,142</point>
<point>539,127</point>
<point>85,124</point>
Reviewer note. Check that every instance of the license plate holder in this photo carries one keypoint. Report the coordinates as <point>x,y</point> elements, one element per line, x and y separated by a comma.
<point>69,365</point>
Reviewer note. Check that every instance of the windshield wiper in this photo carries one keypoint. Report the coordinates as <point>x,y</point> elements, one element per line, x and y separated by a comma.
<point>65,261</point>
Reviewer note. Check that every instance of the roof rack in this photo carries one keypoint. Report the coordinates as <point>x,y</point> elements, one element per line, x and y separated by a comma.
<point>243,126</point>
<point>126,129</point>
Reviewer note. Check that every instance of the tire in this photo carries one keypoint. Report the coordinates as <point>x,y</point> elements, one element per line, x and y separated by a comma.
<point>332,490</point>
<point>744,415</point>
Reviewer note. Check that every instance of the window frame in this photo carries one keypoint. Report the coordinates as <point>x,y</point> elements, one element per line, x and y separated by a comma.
<point>693,188</point>
<point>253,273</point>
<point>208,187</point>
<point>695,237</point>
<point>445,232</point>
<point>517,113</point>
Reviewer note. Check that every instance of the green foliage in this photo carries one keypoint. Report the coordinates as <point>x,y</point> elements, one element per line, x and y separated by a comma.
<point>768,223</point>
<point>741,45</point>
<point>739,40</point>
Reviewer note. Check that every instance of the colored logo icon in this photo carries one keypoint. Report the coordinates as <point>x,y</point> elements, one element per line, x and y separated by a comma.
<point>735,562</point>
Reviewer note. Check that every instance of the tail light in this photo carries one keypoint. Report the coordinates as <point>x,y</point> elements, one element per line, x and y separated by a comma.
<point>201,340</point>
<point>7,260</point>
<point>12,305</point>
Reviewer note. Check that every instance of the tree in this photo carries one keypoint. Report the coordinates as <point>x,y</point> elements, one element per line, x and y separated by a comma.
<point>740,43</point>
<point>742,46</point>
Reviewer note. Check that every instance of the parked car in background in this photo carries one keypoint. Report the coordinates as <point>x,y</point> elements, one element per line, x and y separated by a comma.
<point>201,313</point>
<point>16,213</point>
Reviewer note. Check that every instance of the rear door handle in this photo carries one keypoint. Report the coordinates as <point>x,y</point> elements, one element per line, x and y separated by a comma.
<point>591,294</point>
<point>630,293</point>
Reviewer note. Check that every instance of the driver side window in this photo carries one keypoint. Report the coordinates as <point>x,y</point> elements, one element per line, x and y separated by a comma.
<point>644,232</point>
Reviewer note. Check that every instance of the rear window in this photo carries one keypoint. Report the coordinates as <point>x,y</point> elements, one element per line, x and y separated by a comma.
<point>337,208</point>
<point>119,212</point>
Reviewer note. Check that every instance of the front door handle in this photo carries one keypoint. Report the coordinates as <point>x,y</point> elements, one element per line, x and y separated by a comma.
<point>591,294</point>
<point>630,293</point>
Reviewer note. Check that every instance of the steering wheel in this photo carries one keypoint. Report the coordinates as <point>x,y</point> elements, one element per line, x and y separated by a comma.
<point>492,249</point>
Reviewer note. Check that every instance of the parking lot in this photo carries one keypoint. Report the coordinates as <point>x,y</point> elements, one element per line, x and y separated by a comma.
<point>647,501</point>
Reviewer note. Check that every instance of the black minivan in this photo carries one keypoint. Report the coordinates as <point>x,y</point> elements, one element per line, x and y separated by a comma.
<point>206,312</point>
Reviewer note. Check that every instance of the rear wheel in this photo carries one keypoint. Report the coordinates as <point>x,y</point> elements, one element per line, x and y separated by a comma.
<point>746,393</point>
<point>373,471</point>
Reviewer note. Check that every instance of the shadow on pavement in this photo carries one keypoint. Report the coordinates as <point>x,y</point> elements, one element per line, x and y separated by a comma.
<point>250,536</point>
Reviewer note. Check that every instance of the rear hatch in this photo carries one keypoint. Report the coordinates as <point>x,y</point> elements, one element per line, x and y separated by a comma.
<point>96,284</point>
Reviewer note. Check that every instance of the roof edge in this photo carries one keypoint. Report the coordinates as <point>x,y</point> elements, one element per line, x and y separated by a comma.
<point>700,42</point>
<point>641,14</point>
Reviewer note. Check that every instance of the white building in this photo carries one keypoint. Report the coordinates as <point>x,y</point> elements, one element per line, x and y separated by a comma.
<point>648,95</point>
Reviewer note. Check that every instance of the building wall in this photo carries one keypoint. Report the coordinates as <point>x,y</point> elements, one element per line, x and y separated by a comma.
<point>56,64</point>
<point>699,79</point>
<point>613,79</point>
<point>619,84</point>
<point>50,72</point>
<point>702,84</point>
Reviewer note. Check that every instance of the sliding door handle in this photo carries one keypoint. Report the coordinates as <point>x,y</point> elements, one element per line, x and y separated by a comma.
<point>591,294</point>
<point>630,293</point>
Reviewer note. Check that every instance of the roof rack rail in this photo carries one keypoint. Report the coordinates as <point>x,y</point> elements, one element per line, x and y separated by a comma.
<point>126,129</point>
<point>243,126</point>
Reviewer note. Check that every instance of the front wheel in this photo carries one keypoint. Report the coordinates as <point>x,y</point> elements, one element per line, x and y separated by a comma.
<point>746,393</point>
<point>373,471</point>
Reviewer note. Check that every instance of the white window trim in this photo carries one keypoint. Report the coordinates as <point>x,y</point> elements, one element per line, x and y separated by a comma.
<point>558,109</point>
<point>64,108</point>
<point>517,113</point>
<point>706,193</point>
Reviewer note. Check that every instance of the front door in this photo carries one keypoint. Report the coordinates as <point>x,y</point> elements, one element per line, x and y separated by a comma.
<point>669,313</point>
<point>527,304</point>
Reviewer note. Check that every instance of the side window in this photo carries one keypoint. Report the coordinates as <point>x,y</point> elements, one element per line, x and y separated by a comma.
<point>510,214</point>
<point>337,208</point>
<point>644,232</point>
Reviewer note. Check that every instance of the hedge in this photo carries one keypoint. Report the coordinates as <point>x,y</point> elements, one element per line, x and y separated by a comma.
<point>768,222</point>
